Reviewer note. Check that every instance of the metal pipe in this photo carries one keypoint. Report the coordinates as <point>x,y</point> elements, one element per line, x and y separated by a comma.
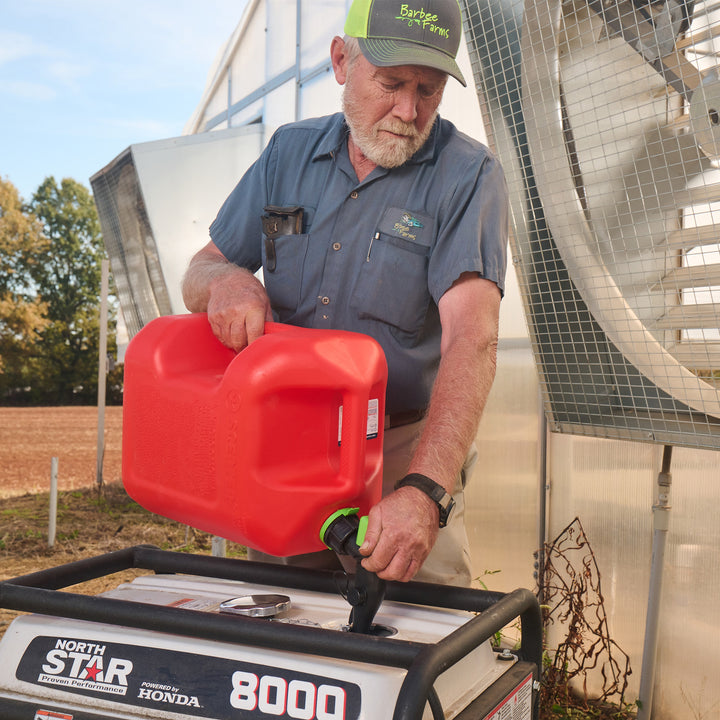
<point>34,593</point>
<point>298,56</point>
<point>520,601</point>
<point>214,627</point>
<point>661,525</point>
<point>435,659</point>
<point>543,490</point>
<point>229,95</point>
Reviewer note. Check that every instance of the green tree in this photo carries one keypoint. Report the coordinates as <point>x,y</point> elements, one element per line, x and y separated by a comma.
<point>67,278</point>
<point>50,301</point>
<point>22,313</point>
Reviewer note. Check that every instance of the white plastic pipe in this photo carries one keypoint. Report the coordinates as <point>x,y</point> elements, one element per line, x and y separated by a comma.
<point>219,546</point>
<point>102,370</point>
<point>52,521</point>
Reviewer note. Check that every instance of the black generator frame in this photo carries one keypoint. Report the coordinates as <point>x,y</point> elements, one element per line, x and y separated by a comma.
<point>38,593</point>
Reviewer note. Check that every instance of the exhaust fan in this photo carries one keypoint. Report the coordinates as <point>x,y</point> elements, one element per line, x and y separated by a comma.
<point>606,116</point>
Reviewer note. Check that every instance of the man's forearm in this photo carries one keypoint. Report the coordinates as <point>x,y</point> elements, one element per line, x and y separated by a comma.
<point>234,299</point>
<point>469,313</point>
<point>204,268</point>
<point>461,389</point>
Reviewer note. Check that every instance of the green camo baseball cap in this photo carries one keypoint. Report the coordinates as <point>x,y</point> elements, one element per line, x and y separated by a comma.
<point>408,33</point>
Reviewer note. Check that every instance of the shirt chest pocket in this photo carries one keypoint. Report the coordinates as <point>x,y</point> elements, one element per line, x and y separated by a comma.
<point>392,285</point>
<point>283,263</point>
<point>284,253</point>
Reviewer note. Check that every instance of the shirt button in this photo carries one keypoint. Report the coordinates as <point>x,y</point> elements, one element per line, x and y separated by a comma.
<point>354,194</point>
<point>325,300</point>
<point>336,246</point>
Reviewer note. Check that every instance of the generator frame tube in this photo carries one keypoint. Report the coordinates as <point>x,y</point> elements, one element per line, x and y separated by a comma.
<point>38,593</point>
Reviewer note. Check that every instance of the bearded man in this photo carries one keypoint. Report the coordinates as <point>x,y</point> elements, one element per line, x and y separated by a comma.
<point>399,231</point>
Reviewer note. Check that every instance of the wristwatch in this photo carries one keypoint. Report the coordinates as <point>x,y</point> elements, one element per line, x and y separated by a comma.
<point>437,493</point>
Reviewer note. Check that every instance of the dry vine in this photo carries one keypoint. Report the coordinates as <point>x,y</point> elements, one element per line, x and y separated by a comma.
<point>574,598</point>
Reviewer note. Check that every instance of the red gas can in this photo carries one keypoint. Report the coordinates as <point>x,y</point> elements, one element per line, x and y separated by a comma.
<point>259,447</point>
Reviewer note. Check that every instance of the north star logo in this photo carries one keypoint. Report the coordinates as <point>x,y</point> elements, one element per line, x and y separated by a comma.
<point>77,664</point>
<point>420,18</point>
<point>166,694</point>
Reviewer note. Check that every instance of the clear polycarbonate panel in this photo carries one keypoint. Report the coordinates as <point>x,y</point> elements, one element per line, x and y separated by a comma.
<point>611,486</point>
<point>606,117</point>
<point>502,494</point>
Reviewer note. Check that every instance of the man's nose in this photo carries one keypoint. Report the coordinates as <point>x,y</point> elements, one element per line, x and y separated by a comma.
<point>406,105</point>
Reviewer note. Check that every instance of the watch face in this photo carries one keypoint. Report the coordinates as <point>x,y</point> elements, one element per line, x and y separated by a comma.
<point>446,512</point>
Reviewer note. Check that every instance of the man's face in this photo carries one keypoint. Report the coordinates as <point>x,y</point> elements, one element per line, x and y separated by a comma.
<point>391,111</point>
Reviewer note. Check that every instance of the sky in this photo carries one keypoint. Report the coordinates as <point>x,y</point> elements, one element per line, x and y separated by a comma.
<point>81,80</point>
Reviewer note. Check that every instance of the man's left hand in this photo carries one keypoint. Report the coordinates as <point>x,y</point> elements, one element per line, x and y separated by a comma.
<point>402,529</point>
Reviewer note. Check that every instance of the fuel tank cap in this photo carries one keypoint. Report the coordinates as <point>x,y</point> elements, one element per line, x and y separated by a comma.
<point>256,605</point>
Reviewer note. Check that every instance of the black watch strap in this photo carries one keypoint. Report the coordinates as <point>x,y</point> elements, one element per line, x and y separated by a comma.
<point>437,493</point>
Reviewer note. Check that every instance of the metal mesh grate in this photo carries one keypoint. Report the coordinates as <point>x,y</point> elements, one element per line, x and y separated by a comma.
<point>606,116</point>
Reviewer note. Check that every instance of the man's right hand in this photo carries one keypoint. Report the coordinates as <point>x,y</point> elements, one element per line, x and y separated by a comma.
<point>234,299</point>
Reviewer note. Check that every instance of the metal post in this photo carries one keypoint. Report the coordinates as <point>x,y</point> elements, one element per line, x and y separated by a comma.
<point>229,96</point>
<point>298,56</point>
<point>661,525</point>
<point>52,521</point>
<point>543,490</point>
<point>102,370</point>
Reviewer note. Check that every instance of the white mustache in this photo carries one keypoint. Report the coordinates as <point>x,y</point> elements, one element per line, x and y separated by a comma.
<point>407,131</point>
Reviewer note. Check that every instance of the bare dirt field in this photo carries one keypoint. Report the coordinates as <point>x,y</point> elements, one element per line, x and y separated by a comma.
<point>31,437</point>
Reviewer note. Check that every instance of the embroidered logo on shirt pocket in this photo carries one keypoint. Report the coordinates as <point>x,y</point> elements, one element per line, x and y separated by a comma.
<point>392,284</point>
<point>415,229</point>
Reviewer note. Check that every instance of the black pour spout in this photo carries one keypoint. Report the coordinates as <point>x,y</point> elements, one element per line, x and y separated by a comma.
<point>365,590</point>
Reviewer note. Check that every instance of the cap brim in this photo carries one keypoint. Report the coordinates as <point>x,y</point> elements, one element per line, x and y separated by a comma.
<point>389,53</point>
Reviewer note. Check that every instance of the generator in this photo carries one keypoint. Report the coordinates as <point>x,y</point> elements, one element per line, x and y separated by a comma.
<point>229,639</point>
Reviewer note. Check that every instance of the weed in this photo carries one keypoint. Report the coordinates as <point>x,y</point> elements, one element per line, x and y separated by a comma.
<point>500,638</point>
<point>573,595</point>
<point>64,537</point>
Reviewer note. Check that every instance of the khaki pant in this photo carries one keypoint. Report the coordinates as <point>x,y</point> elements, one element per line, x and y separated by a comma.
<point>449,561</point>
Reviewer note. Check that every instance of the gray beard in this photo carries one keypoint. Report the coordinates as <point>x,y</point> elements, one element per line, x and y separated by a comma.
<point>385,152</point>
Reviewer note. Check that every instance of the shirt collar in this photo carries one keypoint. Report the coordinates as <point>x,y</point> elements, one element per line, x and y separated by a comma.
<point>427,151</point>
<point>334,139</point>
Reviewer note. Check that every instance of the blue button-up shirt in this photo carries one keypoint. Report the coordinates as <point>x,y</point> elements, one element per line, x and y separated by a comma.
<point>374,256</point>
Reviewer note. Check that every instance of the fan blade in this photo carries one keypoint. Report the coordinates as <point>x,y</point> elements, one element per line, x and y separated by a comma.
<point>654,42</point>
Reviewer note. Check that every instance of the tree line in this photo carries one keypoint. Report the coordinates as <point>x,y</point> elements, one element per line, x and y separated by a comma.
<point>51,253</point>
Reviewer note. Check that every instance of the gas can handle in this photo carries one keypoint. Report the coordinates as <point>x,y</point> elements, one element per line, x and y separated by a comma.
<point>353,436</point>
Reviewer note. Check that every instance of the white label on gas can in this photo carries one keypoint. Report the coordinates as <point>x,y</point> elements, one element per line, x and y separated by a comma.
<point>373,421</point>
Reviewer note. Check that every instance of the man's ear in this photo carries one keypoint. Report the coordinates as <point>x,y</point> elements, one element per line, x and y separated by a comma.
<point>339,59</point>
